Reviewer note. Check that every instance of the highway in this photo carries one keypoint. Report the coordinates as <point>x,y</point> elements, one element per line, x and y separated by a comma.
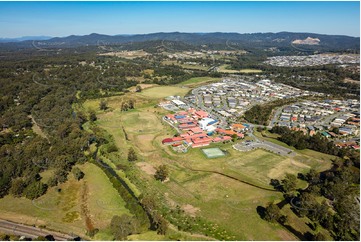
<point>8,227</point>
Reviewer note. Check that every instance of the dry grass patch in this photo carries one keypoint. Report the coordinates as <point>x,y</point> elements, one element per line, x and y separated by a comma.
<point>146,167</point>
<point>349,80</point>
<point>144,142</point>
<point>143,86</point>
<point>141,122</point>
<point>189,209</point>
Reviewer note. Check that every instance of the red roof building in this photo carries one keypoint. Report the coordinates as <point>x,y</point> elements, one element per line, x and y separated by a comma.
<point>201,114</point>
<point>240,135</point>
<point>167,141</point>
<point>197,130</point>
<point>238,127</point>
<point>201,140</point>
<point>199,145</point>
<point>187,126</point>
<point>229,133</point>
<point>227,138</point>
<point>217,139</point>
<point>183,113</point>
<point>171,117</point>
<point>185,135</point>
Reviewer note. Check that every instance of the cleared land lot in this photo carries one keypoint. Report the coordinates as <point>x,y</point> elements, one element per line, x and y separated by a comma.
<point>163,91</point>
<point>196,81</point>
<point>126,54</point>
<point>93,197</point>
<point>224,69</point>
<point>186,66</point>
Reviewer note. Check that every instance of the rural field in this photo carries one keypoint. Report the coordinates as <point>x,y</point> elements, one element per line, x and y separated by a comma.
<point>224,69</point>
<point>186,66</point>
<point>226,191</point>
<point>77,207</point>
<point>198,81</point>
<point>164,91</point>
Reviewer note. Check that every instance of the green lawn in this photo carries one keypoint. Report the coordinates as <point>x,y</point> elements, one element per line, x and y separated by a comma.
<point>163,91</point>
<point>256,167</point>
<point>199,81</point>
<point>231,205</point>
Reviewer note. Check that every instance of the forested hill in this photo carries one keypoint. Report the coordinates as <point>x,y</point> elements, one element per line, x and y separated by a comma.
<point>311,41</point>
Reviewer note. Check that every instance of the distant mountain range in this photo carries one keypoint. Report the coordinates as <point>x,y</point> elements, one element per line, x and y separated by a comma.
<point>24,38</point>
<point>280,40</point>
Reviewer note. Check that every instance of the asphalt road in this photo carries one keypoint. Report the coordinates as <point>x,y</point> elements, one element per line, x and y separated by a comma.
<point>8,227</point>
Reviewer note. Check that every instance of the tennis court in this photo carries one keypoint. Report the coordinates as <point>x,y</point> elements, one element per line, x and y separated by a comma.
<point>213,152</point>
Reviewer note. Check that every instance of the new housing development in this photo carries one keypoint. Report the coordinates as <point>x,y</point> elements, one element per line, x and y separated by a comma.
<point>211,113</point>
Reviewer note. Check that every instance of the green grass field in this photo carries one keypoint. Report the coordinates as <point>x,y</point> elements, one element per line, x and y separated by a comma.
<point>256,167</point>
<point>195,81</point>
<point>316,160</point>
<point>250,71</point>
<point>234,206</point>
<point>224,69</point>
<point>186,66</point>
<point>215,197</point>
<point>62,211</point>
<point>163,91</point>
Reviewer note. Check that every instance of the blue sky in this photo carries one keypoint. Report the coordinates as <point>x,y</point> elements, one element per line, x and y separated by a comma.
<point>80,18</point>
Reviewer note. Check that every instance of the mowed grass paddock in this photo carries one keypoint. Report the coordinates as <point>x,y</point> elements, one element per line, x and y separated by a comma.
<point>163,91</point>
<point>196,81</point>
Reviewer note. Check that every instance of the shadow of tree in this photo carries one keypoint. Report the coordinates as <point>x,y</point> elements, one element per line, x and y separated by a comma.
<point>297,233</point>
<point>306,236</point>
<point>261,211</point>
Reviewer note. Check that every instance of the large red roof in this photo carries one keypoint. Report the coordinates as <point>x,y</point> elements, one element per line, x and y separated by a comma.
<point>202,114</point>
<point>167,140</point>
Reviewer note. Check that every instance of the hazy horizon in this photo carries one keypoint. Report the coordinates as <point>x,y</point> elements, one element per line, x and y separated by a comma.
<point>125,34</point>
<point>60,19</point>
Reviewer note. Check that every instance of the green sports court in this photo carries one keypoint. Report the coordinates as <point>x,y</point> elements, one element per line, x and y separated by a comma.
<point>213,153</point>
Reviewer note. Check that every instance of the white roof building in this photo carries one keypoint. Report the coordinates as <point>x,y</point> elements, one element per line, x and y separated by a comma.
<point>178,102</point>
<point>204,122</point>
